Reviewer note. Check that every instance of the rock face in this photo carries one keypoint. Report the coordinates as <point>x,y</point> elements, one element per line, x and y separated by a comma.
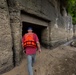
<point>73,44</point>
<point>6,54</point>
<point>43,13</point>
<point>74,30</point>
<point>59,26</point>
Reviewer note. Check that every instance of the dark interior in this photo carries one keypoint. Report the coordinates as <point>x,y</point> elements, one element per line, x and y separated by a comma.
<point>36,29</point>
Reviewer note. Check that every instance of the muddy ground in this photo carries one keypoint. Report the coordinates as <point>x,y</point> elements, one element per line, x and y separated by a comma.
<point>58,61</point>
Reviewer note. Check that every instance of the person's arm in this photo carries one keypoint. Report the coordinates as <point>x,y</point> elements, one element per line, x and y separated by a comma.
<point>38,45</point>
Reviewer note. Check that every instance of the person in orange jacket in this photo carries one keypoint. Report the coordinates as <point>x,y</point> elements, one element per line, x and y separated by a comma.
<point>30,43</point>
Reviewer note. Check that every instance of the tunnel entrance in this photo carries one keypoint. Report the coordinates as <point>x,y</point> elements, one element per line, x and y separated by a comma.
<point>38,29</point>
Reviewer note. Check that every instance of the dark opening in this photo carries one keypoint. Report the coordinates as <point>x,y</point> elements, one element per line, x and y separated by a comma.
<point>36,29</point>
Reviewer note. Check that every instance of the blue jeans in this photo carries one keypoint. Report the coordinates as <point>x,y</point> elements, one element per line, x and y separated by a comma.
<point>31,60</point>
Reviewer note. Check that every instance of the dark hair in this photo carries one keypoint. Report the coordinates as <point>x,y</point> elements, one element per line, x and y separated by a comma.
<point>29,28</point>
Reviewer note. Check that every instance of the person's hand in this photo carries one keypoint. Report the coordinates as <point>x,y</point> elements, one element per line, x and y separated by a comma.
<point>39,50</point>
<point>23,51</point>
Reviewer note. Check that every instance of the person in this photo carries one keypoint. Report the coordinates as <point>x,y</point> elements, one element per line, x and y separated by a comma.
<point>31,44</point>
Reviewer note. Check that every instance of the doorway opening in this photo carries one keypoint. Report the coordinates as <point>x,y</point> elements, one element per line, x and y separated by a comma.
<point>38,29</point>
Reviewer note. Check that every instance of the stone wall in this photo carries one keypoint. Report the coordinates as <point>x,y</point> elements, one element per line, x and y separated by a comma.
<point>6,54</point>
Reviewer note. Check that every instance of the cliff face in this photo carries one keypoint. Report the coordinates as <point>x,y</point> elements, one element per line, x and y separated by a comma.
<point>6,54</point>
<point>43,15</point>
<point>55,12</point>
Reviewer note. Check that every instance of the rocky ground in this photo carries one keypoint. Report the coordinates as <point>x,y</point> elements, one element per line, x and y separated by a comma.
<point>73,43</point>
<point>58,61</point>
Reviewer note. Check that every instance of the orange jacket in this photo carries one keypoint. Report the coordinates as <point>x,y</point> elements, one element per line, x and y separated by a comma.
<point>29,41</point>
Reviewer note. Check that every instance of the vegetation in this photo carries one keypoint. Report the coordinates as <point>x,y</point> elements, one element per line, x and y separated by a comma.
<point>71,8</point>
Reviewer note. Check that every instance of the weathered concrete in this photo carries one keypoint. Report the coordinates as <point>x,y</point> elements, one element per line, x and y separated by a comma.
<point>6,54</point>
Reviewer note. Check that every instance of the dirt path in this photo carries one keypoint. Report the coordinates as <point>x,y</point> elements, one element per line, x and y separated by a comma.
<point>59,61</point>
